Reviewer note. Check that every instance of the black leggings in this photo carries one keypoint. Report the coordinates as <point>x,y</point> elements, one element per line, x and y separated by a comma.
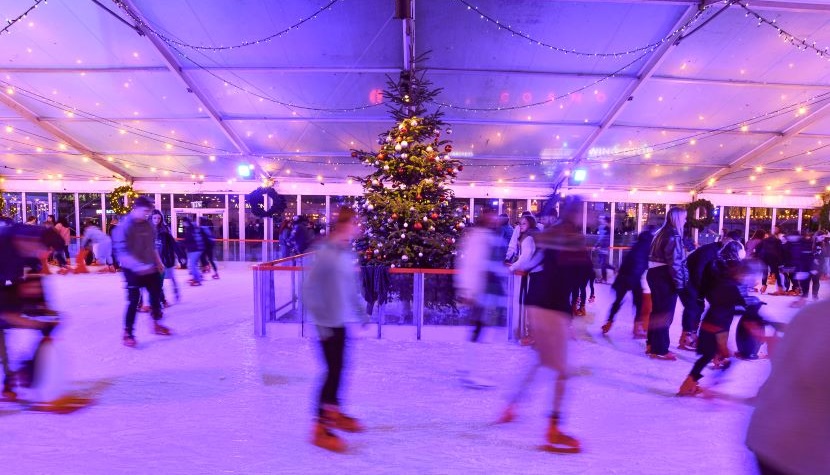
<point>334,348</point>
<point>771,266</point>
<point>636,292</point>
<point>151,282</point>
<point>207,258</point>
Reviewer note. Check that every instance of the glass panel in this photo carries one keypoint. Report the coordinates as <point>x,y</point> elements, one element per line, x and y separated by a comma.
<point>809,220</point>
<point>654,214</point>
<point>513,209</point>
<point>165,207</point>
<point>63,205</point>
<point>710,234</point>
<point>480,203</point>
<point>37,206</point>
<point>280,224</point>
<point>253,225</point>
<point>595,210</point>
<point>760,218</point>
<point>625,224</point>
<point>786,220</point>
<point>13,207</point>
<point>440,306</point>
<point>734,218</point>
<point>233,216</point>
<point>199,201</point>
<point>398,310</point>
<point>314,208</point>
<point>337,202</point>
<point>90,208</point>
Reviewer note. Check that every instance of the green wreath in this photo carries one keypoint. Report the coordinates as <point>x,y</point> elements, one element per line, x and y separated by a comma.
<point>703,221</point>
<point>116,199</point>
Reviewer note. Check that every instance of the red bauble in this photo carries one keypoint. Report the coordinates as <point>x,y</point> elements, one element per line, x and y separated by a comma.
<point>381,156</point>
<point>354,154</point>
<point>434,216</point>
<point>460,167</point>
<point>404,130</point>
<point>418,226</point>
<point>439,167</point>
<point>394,215</point>
<point>418,197</point>
<point>466,208</point>
<point>448,148</point>
<point>400,170</point>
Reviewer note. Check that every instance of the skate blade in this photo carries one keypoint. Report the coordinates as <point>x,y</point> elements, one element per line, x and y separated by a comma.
<point>63,405</point>
<point>560,449</point>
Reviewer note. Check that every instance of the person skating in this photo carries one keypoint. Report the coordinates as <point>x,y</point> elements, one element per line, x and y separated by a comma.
<point>331,297</point>
<point>527,250</point>
<point>207,259</point>
<point>629,278</point>
<point>481,284</point>
<point>566,265</point>
<point>166,247</point>
<point>667,275</point>
<point>101,243</point>
<point>135,245</point>
<point>724,288</point>
<point>603,248</point>
<point>194,244</point>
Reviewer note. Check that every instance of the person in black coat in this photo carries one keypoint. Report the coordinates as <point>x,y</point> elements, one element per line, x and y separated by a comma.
<point>771,253</point>
<point>629,279</point>
<point>167,248</point>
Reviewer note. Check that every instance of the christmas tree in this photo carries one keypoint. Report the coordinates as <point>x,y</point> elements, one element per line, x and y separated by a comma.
<point>406,214</point>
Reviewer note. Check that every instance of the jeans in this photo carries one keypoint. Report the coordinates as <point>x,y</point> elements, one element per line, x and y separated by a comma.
<point>334,349</point>
<point>664,301</point>
<point>193,265</point>
<point>151,282</point>
<point>693,305</point>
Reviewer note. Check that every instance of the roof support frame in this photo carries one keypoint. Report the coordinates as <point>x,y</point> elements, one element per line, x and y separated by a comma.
<point>71,141</point>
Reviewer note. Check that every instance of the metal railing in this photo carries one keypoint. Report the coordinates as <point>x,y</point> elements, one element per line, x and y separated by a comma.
<point>278,299</point>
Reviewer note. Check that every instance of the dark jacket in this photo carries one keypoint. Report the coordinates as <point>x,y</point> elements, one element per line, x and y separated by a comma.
<point>697,262</point>
<point>635,262</point>
<point>667,248</point>
<point>166,247</point>
<point>194,240</point>
<point>798,255</point>
<point>566,266</point>
<point>771,251</point>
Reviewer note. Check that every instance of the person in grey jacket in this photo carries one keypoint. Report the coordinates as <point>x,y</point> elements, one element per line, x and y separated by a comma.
<point>332,298</point>
<point>135,245</point>
<point>667,275</point>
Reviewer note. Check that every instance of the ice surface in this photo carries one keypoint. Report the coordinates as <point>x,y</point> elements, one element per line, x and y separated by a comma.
<point>215,399</point>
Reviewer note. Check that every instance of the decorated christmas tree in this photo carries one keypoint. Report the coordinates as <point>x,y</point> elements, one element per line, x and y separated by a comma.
<point>406,211</point>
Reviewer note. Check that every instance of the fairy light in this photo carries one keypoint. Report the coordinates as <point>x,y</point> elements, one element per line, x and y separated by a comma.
<point>11,22</point>
<point>168,39</point>
<point>649,48</point>
<point>803,44</point>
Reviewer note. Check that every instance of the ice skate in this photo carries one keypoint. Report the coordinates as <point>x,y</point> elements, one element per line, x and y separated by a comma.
<point>215,276</point>
<point>607,327</point>
<point>639,332</point>
<point>8,393</point>
<point>129,340</point>
<point>508,415</point>
<point>688,341</point>
<point>334,419</point>
<point>160,329</point>
<point>326,439</point>
<point>669,356</point>
<point>689,387</point>
<point>559,442</point>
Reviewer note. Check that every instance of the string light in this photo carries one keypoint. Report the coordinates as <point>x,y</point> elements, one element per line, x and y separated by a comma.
<point>170,40</point>
<point>800,43</point>
<point>649,48</point>
<point>11,22</point>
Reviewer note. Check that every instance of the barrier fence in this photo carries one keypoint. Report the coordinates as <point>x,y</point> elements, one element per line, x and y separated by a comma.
<point>421,302</point>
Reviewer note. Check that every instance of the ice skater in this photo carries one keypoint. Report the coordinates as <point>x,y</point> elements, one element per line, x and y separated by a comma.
<point>207,259</point>
<point>332,298</point>
<point>566,264</point>
<point>166,247</point>
<point>135,246</point>
<point>481,284</point>
<point>629,279</point>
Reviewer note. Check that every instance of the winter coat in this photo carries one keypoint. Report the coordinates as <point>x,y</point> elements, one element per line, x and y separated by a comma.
<point>635,261</point>
<point>698,261</point>
<point>481,269</point>
<point>771,251</point>
<point>667,248</point>
<point>134,241</point>
<point>330,291</point>
<point>194,239</point>
<point>566,266</point>
<point>166,246</point>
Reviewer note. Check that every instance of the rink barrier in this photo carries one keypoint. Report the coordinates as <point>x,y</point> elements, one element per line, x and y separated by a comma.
<point>270,304</point>
<point>272,301</point>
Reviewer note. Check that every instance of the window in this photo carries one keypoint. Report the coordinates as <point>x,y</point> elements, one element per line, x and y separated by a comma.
<point>625,224</point>
<point>595,211</point>
<point>13,207</point>
<point>89,205</point>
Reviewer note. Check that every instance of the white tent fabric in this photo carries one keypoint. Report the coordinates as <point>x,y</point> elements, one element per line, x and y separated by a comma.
<point>647,94</point>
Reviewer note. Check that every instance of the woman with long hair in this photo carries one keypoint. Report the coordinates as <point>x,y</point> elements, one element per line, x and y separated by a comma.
<point>667,275</point>
<point>166,247</point>
<point>527,249</point>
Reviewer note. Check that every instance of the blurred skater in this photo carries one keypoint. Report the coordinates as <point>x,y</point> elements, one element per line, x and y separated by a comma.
<point>135,246</point>
<point>481,284</point>
<point>566,265</point>
<point>629,279</point>
<point>789,433</point>
<point>331,297</point>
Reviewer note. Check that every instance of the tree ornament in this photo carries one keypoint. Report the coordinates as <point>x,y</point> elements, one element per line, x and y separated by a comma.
<point>449,131</point>
<point>418,226</point>
<point>413,122</point>
<point>420,254</point>
<point>395,216</point>
<point>404,144</point>
<point>406,225</point>
<point>370,207</point>
<point>388,138</point>
<point>354,154</point>
<point>398,147</point>
<point>448,148</point>
<point>403,236</point>
<point>460,167</point>
<point>434,216</point>
<point>403,186</point>
<point>432,228</point>
<point>386,167</point>
<point>376,251</point>
<point>425,219</point>
<point>411,208</point>
<point>375,182</point>
<point>404,156</point>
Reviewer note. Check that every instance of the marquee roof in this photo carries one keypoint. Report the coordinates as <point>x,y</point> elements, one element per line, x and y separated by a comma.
<point>647,94</point>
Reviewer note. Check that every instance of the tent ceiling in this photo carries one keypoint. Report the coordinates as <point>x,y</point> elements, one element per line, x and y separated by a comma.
<point>85,96</point>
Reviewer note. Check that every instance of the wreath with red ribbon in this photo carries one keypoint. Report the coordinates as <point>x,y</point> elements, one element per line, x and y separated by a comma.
<point>257,203</point>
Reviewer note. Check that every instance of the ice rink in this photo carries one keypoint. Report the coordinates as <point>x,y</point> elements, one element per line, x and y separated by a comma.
<point>215,399</point>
